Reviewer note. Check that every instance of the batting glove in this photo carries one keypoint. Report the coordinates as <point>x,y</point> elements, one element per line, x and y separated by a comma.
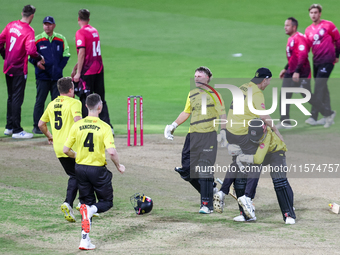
<point>234,149</point>
<point>169,130</point>
<point>246,158</point>
<point>222,138</point>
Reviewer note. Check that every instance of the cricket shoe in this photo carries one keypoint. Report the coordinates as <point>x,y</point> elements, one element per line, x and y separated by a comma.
<point>311,121</point>
<point>37,131</point>
<point>94,215</point>
<point>329,120</point>
<point>247,206</point>
<point>204,210</point>
<point>321,121</point>
<point>8,132</point>
<point>285,126</point>
<point>86,216</point>
<point>22,134</point>
<point>290,220</point>
<point>68,212</point>
<point>85,242</point>
<point>241,218</point>
<point>219,201</point>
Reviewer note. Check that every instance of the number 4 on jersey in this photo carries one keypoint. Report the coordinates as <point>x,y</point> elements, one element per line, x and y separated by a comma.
<point>89,142</point>
<point>96,50</point>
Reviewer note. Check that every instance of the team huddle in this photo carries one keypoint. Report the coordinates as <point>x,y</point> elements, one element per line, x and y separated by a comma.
<point>81,132</point>
<point>253,140</point>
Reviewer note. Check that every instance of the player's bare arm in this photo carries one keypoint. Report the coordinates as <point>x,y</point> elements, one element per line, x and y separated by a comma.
<point>74,70</point>
<point>170,129</point>
<point>115,159</point>
<point>81,58</point>
<point>296,77</point>
<point>282,73</point>
<point>69,152</point>
<point>43,127</point>
<point>182,117</point>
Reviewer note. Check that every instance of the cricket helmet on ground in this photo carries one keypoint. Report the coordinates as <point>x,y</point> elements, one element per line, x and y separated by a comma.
<point>141,203</point>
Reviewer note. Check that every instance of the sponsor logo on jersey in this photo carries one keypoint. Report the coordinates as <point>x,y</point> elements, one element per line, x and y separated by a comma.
<point>42,47</point>
<point>15,31</point>
<point>79,42</point>
<point>322,31</point>
<point>301,47</point>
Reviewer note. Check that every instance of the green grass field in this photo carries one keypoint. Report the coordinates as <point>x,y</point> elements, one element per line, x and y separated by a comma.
<point>151,48</point>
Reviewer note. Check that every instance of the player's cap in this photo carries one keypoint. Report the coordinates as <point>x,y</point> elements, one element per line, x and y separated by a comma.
<point>49,19</point>
<point>261,73</point>
<point>256,129</point>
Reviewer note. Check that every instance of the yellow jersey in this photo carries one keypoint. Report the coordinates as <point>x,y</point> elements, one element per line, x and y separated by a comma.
<point>272,143</point>
<point>91,136</point>
<point>203,123</point>
<point>238,124</point>
<point>61,113</point>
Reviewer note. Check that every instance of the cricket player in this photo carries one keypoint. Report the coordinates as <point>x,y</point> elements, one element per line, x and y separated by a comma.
<point>237,133</point>
<point>88,73</point>
<point>297,72</point>
<point>16,44</point>
<point>324,39</point>
<point>92,137</point>
<point>200,145</point>
<point>271,150</point>
<point>62,113</point>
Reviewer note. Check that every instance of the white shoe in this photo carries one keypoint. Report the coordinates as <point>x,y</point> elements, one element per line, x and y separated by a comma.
<point>321,121</point>
<point>241,218</point>
<point>247,206</point>
<point>68,212</point>
<point>85,242</point>
<point>8,132</point>
<point>310,121</point>
<point>285,126</point>
<point>22,134</point>
<point>290,220</point>
<point>204,210</point>
<point>219,201</point>
<point>329,120</point>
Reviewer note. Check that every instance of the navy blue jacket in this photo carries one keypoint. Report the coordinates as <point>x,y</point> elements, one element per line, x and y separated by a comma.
<point>55,51</point>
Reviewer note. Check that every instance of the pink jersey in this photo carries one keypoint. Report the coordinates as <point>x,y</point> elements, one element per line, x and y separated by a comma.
<point>87,37</point>
<point>324,39</point>
<point>19,39</point>
<point>297,55</point>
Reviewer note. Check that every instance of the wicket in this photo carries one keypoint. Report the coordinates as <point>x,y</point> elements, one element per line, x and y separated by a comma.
<point>134,120</point>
